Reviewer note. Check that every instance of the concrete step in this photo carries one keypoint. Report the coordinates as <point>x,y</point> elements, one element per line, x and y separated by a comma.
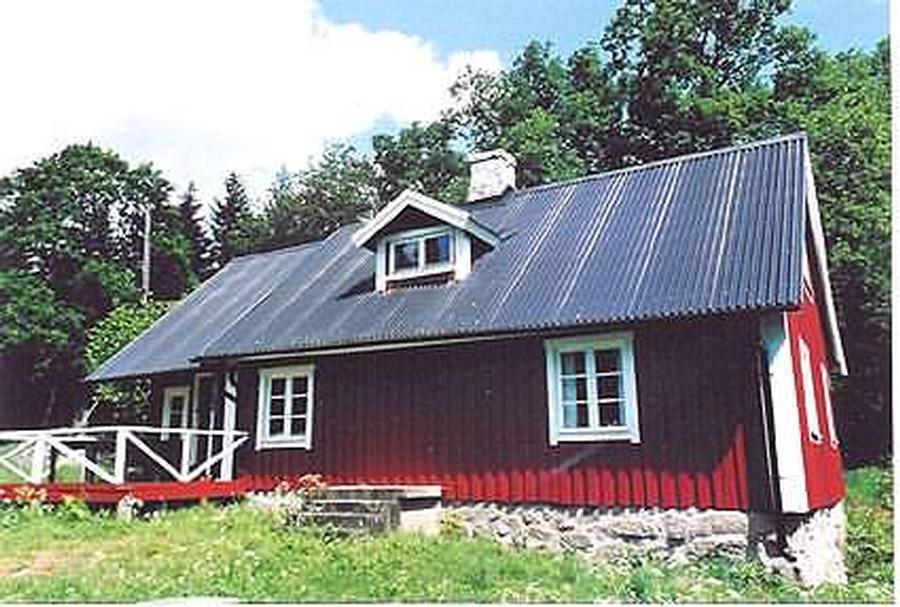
<point>349,522</point>
<point>388,508</point>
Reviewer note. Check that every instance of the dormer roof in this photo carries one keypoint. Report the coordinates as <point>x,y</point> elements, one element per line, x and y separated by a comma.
<point>451,215</point>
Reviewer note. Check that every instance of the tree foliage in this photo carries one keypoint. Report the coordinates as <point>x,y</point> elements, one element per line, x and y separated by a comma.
<point>312,203</point>
<point>235,229</point>
<point>71,233</point>
<point>191,226</point>
<point>123,399</point>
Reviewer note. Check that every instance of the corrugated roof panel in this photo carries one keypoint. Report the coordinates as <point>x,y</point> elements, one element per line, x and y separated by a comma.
<point>701,234</point>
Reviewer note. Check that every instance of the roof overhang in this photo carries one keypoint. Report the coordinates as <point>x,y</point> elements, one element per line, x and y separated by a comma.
<point>819,263</point>
<point>445,213</point>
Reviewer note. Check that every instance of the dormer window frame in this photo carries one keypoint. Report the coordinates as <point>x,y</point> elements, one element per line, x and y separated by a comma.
<point>423,267</point>
<point>460,264</point>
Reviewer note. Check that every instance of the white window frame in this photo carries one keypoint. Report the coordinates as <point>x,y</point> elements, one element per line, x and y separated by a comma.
<point>630,430</point>
<point>419,236</point>
<point>170,393</point>
<point>263,440</point>
<point>829,411</point>
<point>814,428</point>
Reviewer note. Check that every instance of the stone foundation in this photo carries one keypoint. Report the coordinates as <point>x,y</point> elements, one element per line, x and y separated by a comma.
<point>808,547</point>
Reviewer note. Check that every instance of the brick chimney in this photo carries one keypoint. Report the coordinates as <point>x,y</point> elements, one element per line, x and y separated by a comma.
<point>491,173</point>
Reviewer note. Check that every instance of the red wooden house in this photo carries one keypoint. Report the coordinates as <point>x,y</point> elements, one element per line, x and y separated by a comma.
<point>656,336</point>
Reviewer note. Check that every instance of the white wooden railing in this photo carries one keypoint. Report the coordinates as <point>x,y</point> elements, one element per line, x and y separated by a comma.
<point>31,454</point>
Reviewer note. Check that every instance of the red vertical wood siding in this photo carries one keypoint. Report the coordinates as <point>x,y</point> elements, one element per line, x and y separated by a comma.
<point>473,418</point>
<point>822,460</point>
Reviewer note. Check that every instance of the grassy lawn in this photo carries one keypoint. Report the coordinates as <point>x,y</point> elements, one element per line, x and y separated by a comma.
<point>71,554</point>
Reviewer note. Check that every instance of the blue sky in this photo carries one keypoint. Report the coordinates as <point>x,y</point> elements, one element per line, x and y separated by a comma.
<point>507,25</point>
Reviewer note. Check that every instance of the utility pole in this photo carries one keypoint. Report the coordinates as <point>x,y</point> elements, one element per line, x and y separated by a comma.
<point>145,265</point>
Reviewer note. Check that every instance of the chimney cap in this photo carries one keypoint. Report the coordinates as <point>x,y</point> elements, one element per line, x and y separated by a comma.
<point>476,157</point>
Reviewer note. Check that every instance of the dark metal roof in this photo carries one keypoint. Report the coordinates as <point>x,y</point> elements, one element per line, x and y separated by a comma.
<point>708,233</point>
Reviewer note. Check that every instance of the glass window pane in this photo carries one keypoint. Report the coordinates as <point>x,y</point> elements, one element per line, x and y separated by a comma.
<point>608,386</point>
<point>574,388</point>
<point>406,255</point>
<point>610,414</point>
<point>437,249</point>
<point>175,418</point>
<point>298,426</point>
<point>572,362</point>
<point>575,415</point>
<point>276,405</point>
<point>299,384</point>
<point>607,360</point>
<point>570,415</point>
<point>278,386</point>
<point>298,406</point>
<point>276,427</point>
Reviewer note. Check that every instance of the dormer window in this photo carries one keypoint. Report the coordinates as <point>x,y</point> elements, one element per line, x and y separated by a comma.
<point>417,240</point>
<point>420,253</point>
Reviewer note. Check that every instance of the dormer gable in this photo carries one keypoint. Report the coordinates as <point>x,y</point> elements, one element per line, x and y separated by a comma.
<point>416,238</point>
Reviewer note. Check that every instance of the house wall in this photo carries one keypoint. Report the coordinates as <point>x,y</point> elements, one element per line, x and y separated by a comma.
<point>473,418</point>
<point>822,460</point>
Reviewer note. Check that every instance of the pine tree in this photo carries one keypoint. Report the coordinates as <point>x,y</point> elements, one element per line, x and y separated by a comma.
<point>234,227</point>
<point>192,228</point>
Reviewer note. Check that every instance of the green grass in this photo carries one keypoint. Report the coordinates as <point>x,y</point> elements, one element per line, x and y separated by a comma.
<point>72,554</point>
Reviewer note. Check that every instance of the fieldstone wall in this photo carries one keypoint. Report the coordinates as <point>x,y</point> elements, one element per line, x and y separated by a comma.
<point>809,548</point>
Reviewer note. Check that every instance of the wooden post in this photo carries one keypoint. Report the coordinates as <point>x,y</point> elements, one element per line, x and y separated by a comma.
<point>185,453</point>
<point>52,472</point>
<point>229,422</point>
<point>121,456</point>
<point>38,459</point>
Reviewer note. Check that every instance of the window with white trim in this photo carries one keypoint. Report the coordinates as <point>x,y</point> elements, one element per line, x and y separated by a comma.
<point>829,411</point>
<point>284,417</point>
<point>420,253</point>
<point>592,393</point>
<point>176,409</point>
<point>809,395</point>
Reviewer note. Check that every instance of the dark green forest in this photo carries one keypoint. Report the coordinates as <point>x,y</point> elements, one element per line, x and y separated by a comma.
<point>664,78</point>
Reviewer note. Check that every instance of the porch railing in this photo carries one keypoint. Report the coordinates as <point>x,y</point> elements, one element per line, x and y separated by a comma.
<point>32,455</point>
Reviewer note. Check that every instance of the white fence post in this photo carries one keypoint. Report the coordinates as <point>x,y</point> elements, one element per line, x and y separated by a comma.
<point>38,459</point>
<point>120,465</point>
<point>185,453</point>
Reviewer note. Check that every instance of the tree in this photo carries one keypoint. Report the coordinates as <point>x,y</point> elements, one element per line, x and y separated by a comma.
<point>71,232</point>
<point>234,227</point>
<point>690,72</point>
<point>421,158</point>
<point>123,399</point>
<point>525,111</point>
<point>39,331</point>
<point>192,228</point>
<point>313,203</point>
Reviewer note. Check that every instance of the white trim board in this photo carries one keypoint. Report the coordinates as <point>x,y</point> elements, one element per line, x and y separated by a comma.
<point>821,267</point>
<point>785,414</point>
<point>448,214</point>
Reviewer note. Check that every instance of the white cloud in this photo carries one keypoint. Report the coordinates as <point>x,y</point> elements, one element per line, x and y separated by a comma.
<point>203,88</point>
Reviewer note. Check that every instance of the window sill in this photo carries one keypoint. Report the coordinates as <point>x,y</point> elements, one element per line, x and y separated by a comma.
<point>587,436</point>
<point>429,271</point>
<point>265,444</point>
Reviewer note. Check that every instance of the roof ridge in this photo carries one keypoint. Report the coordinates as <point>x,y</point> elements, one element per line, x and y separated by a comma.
<point>294,247</point>
<point>665,161</point>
